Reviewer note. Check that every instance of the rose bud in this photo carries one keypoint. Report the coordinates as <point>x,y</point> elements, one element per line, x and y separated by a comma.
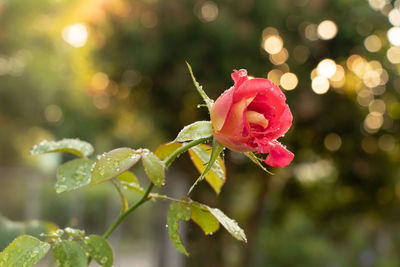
<point>250,116</point>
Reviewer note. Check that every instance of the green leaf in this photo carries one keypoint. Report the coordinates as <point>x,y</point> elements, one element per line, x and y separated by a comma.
<point>113,163</point>
<point>194,131</point>
<point>154,168</point>
<point>74,146</point>
<point>209,102</point>
<point>130,180</point>
<point>73,175</point>
<point>24,251</point>
<point>176,212</point>
<point>200,156</point>
<point>230,225</point>
<point>254,159</point>
<point>203,217</point>
<point>99,249</point>
<point>164,150</point>
<point>69,253</point>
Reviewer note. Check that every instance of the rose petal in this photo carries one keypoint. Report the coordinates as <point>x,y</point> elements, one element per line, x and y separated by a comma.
<point>284,125</point>
<point>277,113</point>
<point>232,144</point>
<point>239,76</point>
<point>221,108</point>
<point>233,126</point>
<point>278,156</point>
<point>252,87</point>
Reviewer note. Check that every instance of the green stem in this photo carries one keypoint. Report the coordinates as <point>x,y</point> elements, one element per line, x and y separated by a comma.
<point>126,213</point>
<point>146,195</point>
<point>164,197</point>
<point>184,148</point>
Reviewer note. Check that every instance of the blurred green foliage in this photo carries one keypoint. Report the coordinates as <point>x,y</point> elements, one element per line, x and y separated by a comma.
<point>113,73</point>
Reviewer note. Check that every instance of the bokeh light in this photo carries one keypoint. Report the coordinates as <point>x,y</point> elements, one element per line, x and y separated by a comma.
<point>320,85</point>
<point>393,35</point>
<point>289,81</point>
<point>326,68</point>
<point>310,32</point>
<point>378,106</point>
<point>338,79</point>
<point>387,142</point>
<point>394,17</point>
<point>275,76</point>
<point>99,81</point>
<point>279,58</point>
<point>373,122</point>
<point>327,30</point>
<point>273,44</point>
<point>377,4</point>
<point>53,113</point>
<point>209,11</point>
<point>393,55</point>
<point>76,34</point>
<point>372,43</point>
<point>332,142</point>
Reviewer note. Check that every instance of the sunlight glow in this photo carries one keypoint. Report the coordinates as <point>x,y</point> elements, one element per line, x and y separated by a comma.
<point>76,34</point>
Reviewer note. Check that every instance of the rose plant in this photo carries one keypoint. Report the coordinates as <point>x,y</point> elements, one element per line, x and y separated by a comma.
<point>249,117</point>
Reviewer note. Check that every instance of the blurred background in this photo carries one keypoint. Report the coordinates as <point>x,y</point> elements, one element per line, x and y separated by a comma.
<point>113,73</point>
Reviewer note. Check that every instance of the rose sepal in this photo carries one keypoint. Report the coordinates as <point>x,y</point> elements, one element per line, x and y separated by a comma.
<point>217,148</point>
<point>209,102</point>
<point>256,160</point>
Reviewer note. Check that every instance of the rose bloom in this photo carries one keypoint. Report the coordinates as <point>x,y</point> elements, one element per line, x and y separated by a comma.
<point>250,116</point>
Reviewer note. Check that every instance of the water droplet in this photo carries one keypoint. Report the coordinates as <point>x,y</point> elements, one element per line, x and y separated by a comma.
<point>103,260</point>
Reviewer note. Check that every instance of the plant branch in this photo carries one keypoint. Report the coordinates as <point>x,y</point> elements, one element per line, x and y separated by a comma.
<point>184,148</point>
<point>122,216</point>
<point>164,197</point>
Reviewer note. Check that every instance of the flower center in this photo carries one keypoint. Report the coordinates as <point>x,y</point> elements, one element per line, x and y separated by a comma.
<point>256,118</point>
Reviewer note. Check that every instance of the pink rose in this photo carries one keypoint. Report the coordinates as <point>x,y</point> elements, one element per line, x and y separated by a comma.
<point>250,116</point>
